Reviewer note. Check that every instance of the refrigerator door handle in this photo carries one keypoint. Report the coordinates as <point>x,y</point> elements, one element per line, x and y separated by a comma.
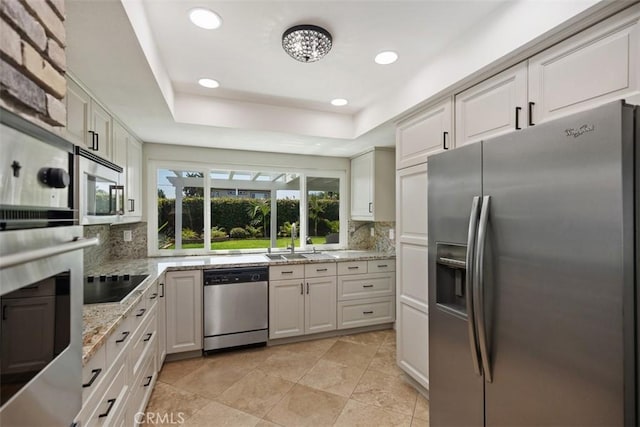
<point>478,290</point>
<point>471,323</point>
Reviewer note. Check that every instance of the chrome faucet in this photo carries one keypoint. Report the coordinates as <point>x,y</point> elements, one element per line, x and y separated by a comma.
<point>293,238</point>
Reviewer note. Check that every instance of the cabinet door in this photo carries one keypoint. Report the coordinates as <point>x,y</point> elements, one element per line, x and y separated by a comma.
<point>133,207</point>
<point>591,68</point>
<point>424,134</point>
<point>184,310</point>
<point>494,107</point>
<point>286,308</point>
<point>78,104</point>
<point>362,187</point>
<point>411,205</point>
<point>35,319</point>
<point>120,143</point>
<point>413,343</point>
<point>320,305</point>
<point>101,125</point>
<point>162,323</point>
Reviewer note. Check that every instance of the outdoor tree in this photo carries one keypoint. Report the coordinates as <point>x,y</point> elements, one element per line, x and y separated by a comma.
<point>260,212</point>
<point>315,209</point>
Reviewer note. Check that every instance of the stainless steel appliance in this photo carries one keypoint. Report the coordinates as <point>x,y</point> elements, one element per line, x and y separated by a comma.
<point>100,189</point>
<point>533,275</point>
<point>236,307</point>
<point>40,278</point>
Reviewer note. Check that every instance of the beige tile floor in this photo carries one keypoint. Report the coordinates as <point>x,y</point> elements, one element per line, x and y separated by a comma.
<point>347,381</point>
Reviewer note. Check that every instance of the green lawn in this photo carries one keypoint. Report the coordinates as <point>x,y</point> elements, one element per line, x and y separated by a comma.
<point>282,242</point>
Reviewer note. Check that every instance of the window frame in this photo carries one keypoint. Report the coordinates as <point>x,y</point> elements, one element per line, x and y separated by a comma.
<point>206,168</point>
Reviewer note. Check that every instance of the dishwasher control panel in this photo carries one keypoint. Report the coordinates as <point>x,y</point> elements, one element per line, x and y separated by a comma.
<point>223,276</point>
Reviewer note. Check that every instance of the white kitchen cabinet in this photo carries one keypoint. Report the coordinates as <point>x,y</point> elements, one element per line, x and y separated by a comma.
<point>366,293</point>
<point>320,304</point>
<point>127,153</point>
<point>493,107</point>
<point>593,67</point>
<point>286,308</point>
<point>302,304</point>
<point>184,310</point>
<point>88,124</point>
<point>162,323</point>
<point>372,186</point>
<point>412,273</point>
<point>78,104</point>
<point>424,134</point>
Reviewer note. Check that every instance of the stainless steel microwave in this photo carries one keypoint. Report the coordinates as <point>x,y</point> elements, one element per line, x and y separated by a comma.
<point>100,195</point>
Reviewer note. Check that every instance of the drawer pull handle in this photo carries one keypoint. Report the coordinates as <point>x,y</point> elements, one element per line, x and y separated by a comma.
<point>382,266</point>
<point>321,269</point>
<point>367,286</point>
<point>301,288</point>
<point>124,337</point>
<point>367,312</point>
<point>149,378</point>
<point>287,272</point>
<point>153,295</point>
<point>353,268</point>
<point>95,373</point>
<point>149,335</point>
<point>162,294</point>
<point>111,403</point>
<point>142,310</point>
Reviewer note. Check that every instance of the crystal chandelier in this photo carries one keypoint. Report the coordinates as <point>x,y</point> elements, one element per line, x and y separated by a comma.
<point>306,43</point>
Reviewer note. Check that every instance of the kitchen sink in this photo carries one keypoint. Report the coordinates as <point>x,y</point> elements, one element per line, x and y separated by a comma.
<point>289,256</point>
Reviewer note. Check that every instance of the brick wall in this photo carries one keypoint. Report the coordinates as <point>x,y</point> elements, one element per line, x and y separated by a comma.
<point>32,59</point>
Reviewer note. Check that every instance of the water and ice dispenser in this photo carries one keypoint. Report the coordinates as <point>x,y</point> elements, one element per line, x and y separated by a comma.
<point>451,272</point>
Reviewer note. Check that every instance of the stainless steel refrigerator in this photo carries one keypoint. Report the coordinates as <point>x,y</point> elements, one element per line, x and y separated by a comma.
<point>533,280</point>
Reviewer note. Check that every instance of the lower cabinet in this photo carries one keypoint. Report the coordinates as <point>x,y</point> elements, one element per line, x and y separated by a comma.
<point>320,305</point>
<point>286,308</point>
<point>118,379</point>
<point>184,310</point>
<point>162,322</point>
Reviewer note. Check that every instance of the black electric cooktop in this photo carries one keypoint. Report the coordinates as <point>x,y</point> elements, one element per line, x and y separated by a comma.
<point>112,288</point>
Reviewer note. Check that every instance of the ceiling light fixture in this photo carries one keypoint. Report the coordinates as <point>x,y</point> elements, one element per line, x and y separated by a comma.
<point>208,83</point>
<point>205,18</point>
<point>306,43</point>
<point>386,57</point>
<point>339,102</point>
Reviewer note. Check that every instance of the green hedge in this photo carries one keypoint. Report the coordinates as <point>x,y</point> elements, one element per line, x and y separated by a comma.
<point>231,213</point>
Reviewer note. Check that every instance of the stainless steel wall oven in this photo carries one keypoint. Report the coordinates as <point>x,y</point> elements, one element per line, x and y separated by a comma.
<point>41,276</point>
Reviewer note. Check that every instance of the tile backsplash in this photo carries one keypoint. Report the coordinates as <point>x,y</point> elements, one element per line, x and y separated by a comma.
<point>112,246</point>
<point>360,237</point>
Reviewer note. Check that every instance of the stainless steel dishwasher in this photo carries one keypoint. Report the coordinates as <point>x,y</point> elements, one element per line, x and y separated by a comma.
<point>236,307</point>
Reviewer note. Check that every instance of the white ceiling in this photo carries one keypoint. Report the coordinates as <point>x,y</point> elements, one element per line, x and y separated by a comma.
<point>143,58</point>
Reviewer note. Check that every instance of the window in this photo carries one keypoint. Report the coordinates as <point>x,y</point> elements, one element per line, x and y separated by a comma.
<point>244,210</point>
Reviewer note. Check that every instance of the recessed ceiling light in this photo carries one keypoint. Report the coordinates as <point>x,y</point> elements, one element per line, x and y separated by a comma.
<point>205,18</point>
<point>210,83</point>
<point>339,102</point>
<point>386,57</point>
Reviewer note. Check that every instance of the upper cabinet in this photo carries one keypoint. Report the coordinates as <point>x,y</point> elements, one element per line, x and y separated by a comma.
<point>596,66</point>
<point>88,124</point>
<point>492,107</point>
<point>373,186</point>
<point>127,152</point>
<point>426,133</point>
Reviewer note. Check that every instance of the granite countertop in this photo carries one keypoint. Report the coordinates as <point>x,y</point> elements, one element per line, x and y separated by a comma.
<point>101,320</point>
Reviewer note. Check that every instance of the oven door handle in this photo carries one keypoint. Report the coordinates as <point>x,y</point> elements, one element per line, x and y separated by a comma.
<point>28,256</point>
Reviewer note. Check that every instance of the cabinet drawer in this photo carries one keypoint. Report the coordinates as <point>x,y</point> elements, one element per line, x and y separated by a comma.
<point>370,311</point>
<point>151,295</point>
<point>119,340</point>
<point>352,267</point>
<point>320,270</point>
<point>359,286</point>
<point>113,399</point>
<point>93,373</point>
<point>144,340</point>
<point>141,390</point>
<point>381,266</point>
<point>138,313</point>
<point>280,272</point>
